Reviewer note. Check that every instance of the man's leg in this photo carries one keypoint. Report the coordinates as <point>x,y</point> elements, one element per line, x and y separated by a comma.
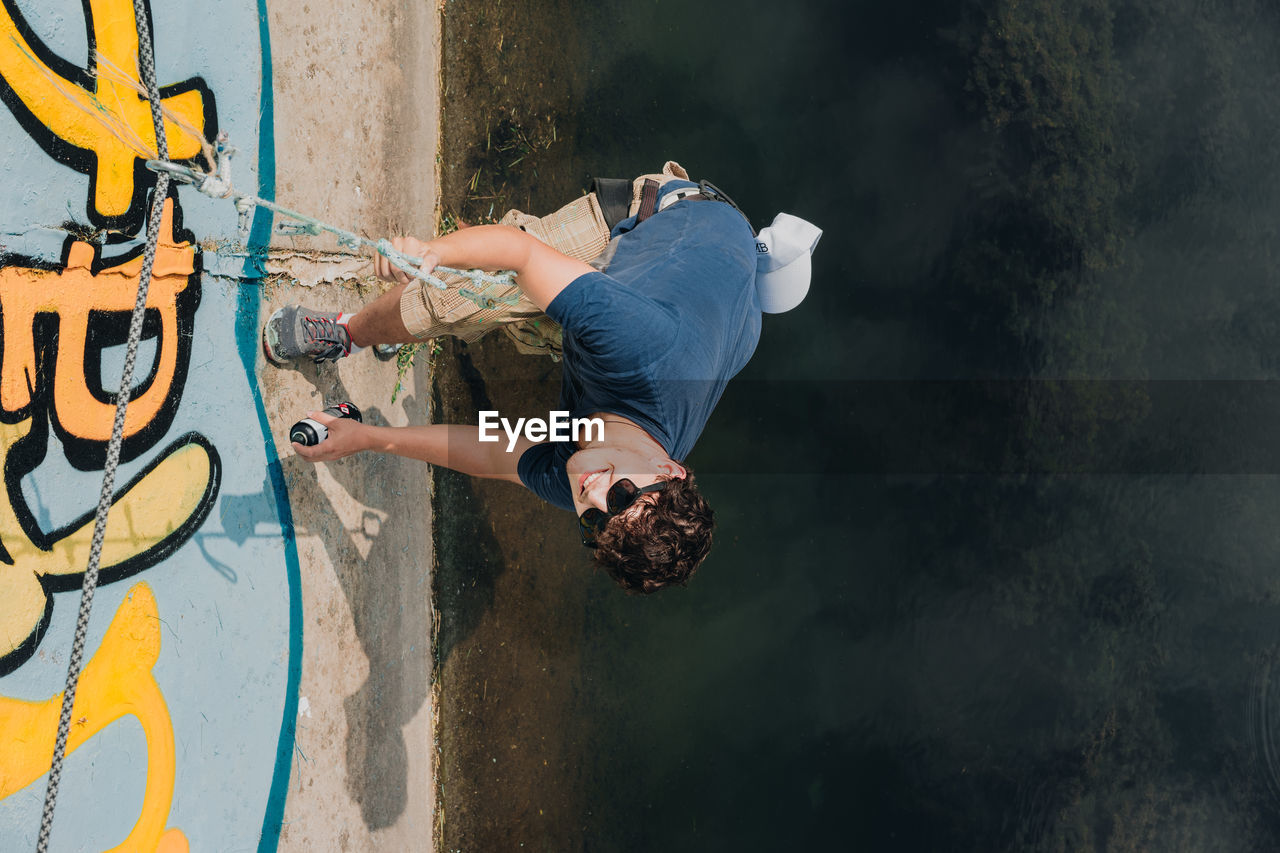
<point>380,322</point>
<point>296,331</point>
<point>416,312</point>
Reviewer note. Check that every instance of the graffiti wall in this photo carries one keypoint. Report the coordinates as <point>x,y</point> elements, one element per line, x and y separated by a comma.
<point>182,728</point>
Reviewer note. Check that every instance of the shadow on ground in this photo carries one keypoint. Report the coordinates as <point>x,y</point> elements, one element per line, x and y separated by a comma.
<point>373,543</point>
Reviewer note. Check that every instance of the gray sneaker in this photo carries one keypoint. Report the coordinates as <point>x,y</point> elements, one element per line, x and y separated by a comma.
<point>295,332</point>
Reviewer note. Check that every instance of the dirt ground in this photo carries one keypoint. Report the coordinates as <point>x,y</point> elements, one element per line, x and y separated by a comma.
<point>514,77</point>
<point>512,581</point>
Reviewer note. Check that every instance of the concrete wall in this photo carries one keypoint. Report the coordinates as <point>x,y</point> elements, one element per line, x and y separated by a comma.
<point>257,662</point>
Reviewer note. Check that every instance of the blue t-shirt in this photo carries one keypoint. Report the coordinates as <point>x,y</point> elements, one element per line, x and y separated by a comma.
<point>657,338</point>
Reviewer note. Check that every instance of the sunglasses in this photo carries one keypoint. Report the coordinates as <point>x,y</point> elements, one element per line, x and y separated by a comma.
<point>621,495</point>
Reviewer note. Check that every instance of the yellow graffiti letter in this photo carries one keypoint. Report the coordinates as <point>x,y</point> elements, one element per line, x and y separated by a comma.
<point>106,118</point>
<point>116,682</point>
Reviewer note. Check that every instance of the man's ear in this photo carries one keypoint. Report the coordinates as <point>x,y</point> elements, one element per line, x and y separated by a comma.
<point>671,468</point>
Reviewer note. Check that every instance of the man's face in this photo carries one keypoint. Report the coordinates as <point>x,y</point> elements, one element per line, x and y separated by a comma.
<point>592,472</point>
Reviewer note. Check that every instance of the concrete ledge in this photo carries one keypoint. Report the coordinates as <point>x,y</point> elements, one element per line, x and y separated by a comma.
<point>357,97</point>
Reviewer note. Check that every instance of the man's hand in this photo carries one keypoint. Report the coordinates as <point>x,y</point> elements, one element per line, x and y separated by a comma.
<point>388,271</point>
<point>346,437</point>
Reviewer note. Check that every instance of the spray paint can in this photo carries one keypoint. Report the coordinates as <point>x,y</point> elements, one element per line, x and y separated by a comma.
<point>310,432</point>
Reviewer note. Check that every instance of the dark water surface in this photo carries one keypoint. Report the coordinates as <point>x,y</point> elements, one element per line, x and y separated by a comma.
<point>998,556</point>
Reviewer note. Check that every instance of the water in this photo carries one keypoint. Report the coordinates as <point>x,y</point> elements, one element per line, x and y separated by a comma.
<point>997,565</point>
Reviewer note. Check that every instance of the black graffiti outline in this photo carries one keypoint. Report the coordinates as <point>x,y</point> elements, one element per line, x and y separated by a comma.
<point>132,566</point>
<point>111,329</point>
<point>84,160</point>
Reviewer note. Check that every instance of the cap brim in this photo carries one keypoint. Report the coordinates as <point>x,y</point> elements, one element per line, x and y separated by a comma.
<point>782,289</point>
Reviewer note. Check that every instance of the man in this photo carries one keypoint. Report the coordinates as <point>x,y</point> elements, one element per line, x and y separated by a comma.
<point>647,347</point>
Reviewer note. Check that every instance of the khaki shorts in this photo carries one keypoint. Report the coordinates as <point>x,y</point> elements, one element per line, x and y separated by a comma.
<point>578,230</point>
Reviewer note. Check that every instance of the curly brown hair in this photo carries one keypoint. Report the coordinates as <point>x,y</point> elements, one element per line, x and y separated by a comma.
<point>659,543</point>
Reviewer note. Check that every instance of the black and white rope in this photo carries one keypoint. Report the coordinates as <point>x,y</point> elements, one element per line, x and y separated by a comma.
<point>146,65</point>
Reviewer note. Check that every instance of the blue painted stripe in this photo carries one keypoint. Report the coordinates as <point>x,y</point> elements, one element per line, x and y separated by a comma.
<point>248,303</point>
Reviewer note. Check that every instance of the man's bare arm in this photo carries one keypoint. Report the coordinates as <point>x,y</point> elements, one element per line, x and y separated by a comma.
<point>455,447</point>
<point>541,271</point>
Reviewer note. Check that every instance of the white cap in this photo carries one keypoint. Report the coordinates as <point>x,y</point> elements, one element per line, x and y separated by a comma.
<point>782,262</point>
